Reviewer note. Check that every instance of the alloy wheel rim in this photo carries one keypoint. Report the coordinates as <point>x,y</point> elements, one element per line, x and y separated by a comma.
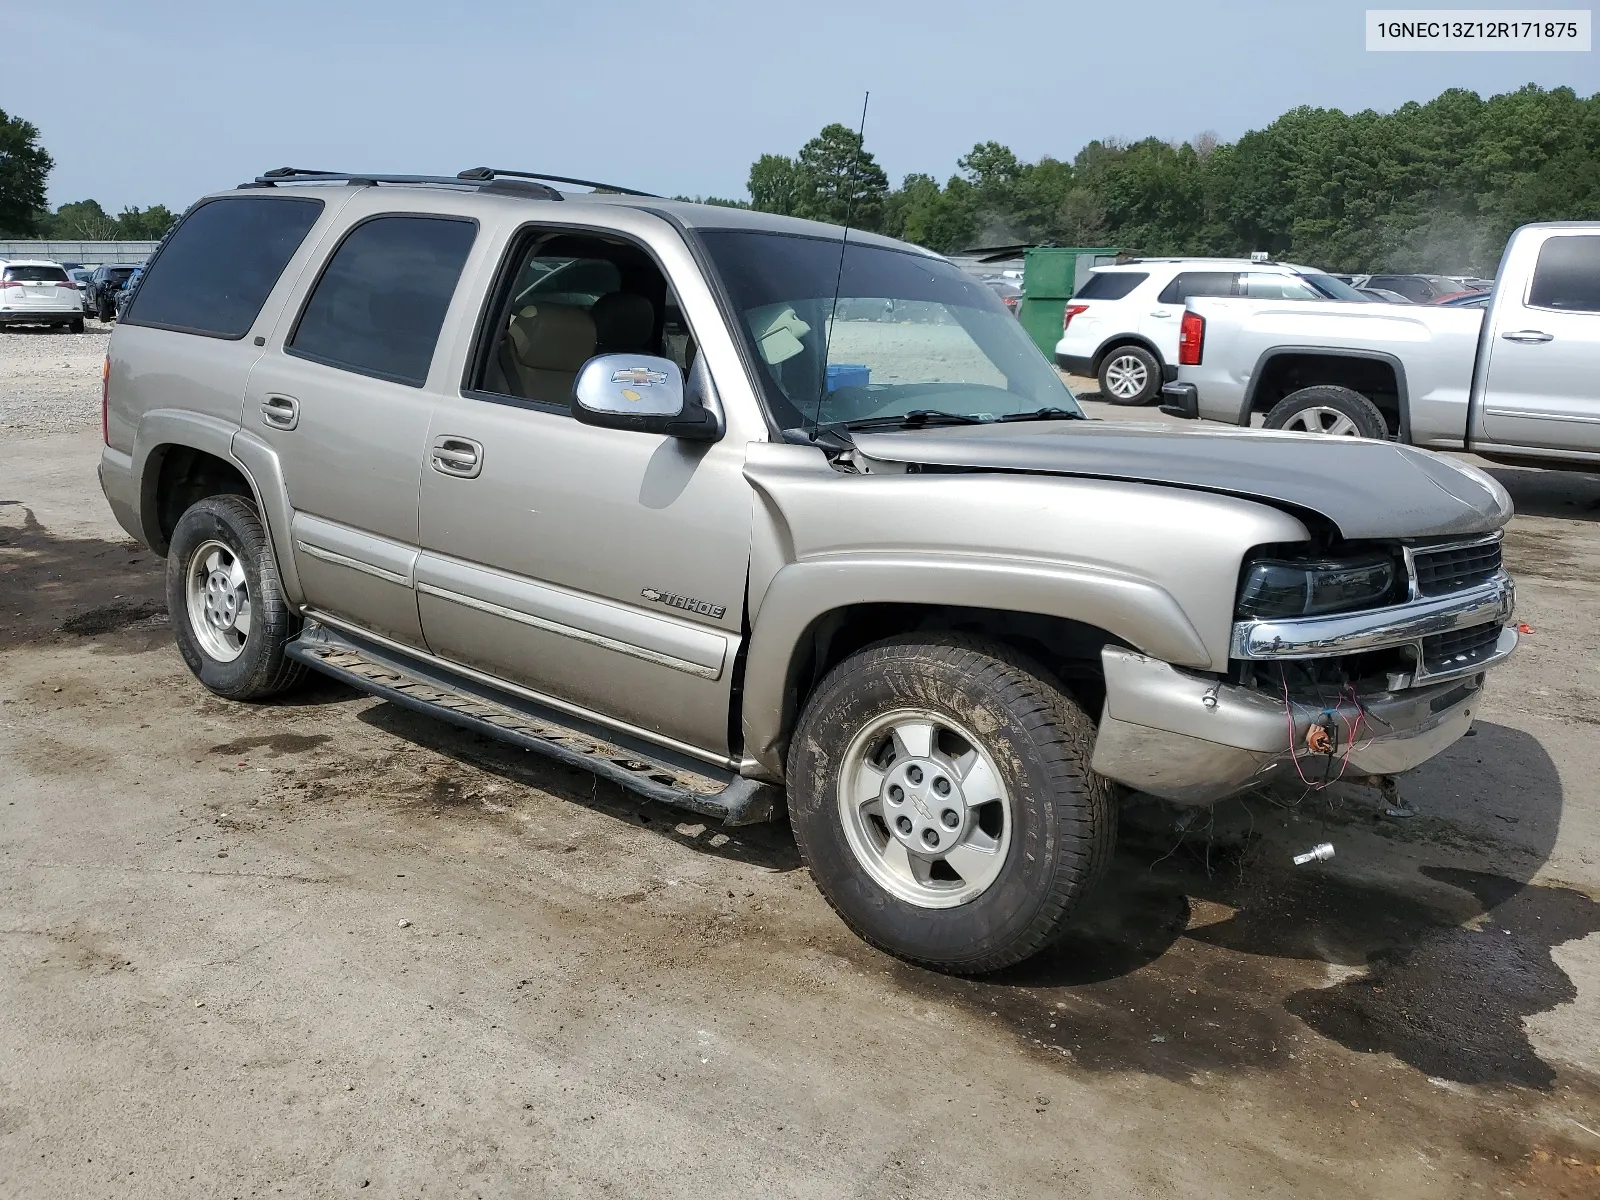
<point>924,809</point>
<point>1126,377</point>
<point>1320,419</point>
<point>218,596</point>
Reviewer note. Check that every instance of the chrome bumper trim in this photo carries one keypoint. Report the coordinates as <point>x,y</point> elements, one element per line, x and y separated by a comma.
<point>1376,629</point>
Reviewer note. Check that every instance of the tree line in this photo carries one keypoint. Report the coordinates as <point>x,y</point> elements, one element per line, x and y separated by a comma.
<point>1428,187</point>
<point>25,167</point>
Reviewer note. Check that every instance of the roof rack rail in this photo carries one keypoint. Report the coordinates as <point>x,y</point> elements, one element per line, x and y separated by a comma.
<point>489,173</point>
<point>280,175</point>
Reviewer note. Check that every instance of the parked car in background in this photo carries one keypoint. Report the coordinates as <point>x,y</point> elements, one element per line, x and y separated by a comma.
<point>1468,300</point>
<point>1121,324</point>
<point>104,284</point>
<point>1007,289</point>
<point>1419,289</point>
<point>39,292</point>
<point>1383,295</point>
<point>1512,381</point>
<point>125,292</point>
<point>80,280</point>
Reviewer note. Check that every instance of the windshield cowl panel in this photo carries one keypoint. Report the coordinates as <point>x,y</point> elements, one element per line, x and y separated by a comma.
<point>910,340</point>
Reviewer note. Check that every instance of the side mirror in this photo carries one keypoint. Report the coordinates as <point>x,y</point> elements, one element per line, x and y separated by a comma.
<point>646,394</point>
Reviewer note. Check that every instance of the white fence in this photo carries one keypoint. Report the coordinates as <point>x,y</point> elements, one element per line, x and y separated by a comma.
<point>88,253</point>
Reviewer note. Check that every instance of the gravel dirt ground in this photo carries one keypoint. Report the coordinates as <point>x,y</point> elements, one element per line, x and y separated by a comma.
<point>49,380</point>
<point>325,947</point>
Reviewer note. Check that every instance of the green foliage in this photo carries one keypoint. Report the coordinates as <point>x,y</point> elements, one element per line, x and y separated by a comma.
<point>24,164</point>
<point>1436,186</point>
<point>85,220</point>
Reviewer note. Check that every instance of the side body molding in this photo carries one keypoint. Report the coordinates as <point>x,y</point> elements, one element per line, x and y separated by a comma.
<point>801,593</point>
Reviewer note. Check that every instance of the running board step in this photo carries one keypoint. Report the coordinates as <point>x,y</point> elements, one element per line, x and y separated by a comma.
<point>427,688</point>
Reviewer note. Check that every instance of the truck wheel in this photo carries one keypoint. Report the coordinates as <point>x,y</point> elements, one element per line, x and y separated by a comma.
<point>103,310</point>
<point>1327,408</point>
<point>226,603</point>
<point>1130,375</point>
<point>75,326</point>
<point>940,793</point>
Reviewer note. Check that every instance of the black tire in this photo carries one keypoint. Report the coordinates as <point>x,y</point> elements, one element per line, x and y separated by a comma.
<point>1312,410</point>
<point>1122,367</point>
<point>261,669</point>
<point>103,310</point>
<point>75,325</point>
<point>1064,816</point>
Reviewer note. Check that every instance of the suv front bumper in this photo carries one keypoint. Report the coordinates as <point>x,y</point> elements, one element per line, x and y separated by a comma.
<point>1196,740</point>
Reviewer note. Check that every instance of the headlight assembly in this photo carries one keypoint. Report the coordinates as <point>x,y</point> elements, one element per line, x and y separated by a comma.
<point>1277,588</point>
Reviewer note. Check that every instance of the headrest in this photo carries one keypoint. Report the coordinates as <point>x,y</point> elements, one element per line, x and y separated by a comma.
<point>623,321</point>
<point>552,337</point>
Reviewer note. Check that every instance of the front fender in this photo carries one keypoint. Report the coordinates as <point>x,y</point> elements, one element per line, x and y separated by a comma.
<point>801,593</point>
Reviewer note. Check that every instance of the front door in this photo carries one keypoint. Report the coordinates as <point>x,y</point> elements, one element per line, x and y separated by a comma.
<point>339,393</point>
<point>1539,384</point>
<point>602,569</point>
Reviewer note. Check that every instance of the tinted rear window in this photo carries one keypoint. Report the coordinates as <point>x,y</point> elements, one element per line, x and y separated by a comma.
<point>217,268</point>
<point>120,274</point>
<point>380,303</point>
<point>1199,283</point>
<point>1568,274</point>
<point>1109,285</point>
<point>36,274</point>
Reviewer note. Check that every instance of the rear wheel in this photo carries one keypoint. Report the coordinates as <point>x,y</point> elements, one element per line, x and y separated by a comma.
<point>1326,408</point>
<point>940,793</point>
<point>228,611</point>
<point>103,309</point>
<point>1130,375</point>
<point>75,325</point>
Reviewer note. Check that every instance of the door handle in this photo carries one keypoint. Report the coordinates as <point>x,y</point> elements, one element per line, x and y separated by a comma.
<point>458,456</point>
<point>1529,336</point>
<point>1161,313</point>
<point>281,412</point>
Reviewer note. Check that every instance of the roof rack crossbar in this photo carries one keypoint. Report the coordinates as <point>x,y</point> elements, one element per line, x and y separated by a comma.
<point>300,175</point>
<point>483,173</point>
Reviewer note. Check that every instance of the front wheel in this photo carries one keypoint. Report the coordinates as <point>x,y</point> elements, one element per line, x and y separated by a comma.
<point>1326,408</point>
<point>228,611</point>
<point>941,795</point>
<point>1130,375</point>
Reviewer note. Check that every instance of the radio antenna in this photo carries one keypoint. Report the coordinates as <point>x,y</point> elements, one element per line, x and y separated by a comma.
<point>838,278</point>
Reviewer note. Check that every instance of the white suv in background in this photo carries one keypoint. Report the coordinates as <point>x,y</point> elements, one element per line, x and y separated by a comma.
<point>1121,325</point>
<point>36,292</point>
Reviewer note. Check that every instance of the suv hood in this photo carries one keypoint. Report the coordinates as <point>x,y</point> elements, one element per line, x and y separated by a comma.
<point>1368,489</point>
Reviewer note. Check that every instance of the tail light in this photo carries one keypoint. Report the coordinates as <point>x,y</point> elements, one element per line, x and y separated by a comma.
<point>10,283</point>
<point>1069,312</point>
<point>1191,339</point>
<point>105,401</point>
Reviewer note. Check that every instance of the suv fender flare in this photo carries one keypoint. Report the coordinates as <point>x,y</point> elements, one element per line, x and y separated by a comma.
<point>1142,614</point>
<point>1389,360</point>
<point>162,429</point>
<point>1103,351</point>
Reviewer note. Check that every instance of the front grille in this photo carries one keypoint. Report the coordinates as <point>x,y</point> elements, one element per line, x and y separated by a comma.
<point>1453,569</point>
<point>1458,649</point>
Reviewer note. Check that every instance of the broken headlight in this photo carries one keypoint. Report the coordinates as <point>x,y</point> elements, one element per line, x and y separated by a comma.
<point>1276,588</point>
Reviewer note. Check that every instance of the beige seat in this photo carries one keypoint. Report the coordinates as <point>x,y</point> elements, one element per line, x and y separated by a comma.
<point>547,343</point>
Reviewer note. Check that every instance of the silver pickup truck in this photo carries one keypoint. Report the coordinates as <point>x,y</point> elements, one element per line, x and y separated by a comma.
<point>745,515</point>
<point>1514,382</point>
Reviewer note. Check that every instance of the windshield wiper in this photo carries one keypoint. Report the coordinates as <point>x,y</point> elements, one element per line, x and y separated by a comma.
<point>1047,414</point>
<point>916,417</point>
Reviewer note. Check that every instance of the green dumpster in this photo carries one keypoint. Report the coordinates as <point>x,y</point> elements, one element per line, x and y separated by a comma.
<point>1049,274</point>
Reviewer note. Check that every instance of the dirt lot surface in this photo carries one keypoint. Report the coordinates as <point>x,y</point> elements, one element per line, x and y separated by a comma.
<point>50,380</point>
<point>326,948</point>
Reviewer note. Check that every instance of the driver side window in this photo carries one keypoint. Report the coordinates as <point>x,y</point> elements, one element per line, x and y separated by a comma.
<point>566,298</point>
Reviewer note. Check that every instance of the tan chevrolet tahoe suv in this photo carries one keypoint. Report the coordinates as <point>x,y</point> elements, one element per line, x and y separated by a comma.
<point>751,515</point>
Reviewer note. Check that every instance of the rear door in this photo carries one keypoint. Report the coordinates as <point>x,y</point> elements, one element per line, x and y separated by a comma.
<point>343,393</point>
<point>1544,347</point>
<point>1160,320</point>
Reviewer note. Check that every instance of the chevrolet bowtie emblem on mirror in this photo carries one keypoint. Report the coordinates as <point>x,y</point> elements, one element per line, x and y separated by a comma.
<point>639,376</point>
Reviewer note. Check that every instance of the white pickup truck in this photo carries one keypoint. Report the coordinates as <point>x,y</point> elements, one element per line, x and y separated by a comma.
<point>1517,382</point>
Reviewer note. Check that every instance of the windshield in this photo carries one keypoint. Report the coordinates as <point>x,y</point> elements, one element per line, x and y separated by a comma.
<point>1333,289</point>
<point>910,334</point>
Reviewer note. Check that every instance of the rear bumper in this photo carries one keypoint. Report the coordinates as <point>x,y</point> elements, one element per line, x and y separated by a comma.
<point>1192,740</point>
<point>56,314</point>
<point>1181,400</point>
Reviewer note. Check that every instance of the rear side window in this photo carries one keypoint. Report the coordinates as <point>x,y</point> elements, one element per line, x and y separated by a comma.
<point>1198,283</point>
<point>1109,285</point>
<point>1568,274</point>
<point>217,268</point>
<point>379,306</point>
<point>36,275</point>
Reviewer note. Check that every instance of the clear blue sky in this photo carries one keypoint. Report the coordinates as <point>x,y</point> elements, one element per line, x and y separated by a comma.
<point>672,97</point>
